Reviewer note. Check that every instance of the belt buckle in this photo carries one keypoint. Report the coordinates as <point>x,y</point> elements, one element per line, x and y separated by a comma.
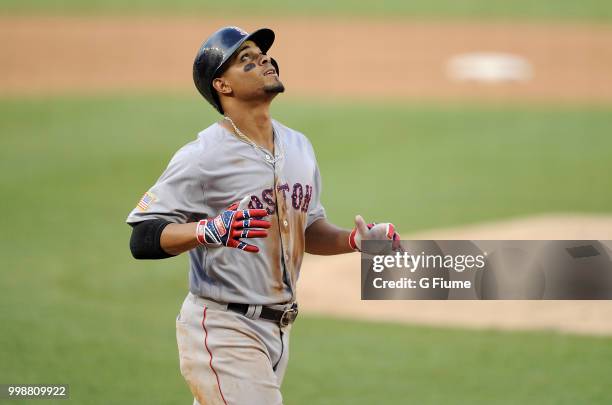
<point>288,316</point>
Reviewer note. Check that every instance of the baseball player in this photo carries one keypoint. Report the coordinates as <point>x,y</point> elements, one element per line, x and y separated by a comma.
<point>244,200</point>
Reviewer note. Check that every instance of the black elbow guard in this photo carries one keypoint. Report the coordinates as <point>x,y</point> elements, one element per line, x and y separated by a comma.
<point>145,240</point>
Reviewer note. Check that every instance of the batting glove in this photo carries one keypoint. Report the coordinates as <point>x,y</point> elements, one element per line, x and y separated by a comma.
<point>372,231</point>
<point>233,223</point>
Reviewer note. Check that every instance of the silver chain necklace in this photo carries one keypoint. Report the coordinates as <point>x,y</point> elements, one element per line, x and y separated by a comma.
<point>248,140</point>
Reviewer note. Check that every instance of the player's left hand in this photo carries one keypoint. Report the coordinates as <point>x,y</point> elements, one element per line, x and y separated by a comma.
<point>373,231</point>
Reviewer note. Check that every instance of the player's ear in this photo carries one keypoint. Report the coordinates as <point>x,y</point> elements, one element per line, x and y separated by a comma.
<point>221,85</point>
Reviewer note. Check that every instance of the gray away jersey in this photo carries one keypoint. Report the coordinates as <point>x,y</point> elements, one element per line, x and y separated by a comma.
<point>217,169</point>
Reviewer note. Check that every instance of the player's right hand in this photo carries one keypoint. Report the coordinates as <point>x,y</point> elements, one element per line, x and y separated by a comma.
<point>233,223</point>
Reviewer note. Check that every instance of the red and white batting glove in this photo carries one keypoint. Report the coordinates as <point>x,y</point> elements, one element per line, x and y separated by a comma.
<point>372,231</point>
<point>230,225</point>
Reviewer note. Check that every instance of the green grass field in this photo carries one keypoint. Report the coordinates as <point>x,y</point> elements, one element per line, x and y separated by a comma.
<point>77,309</point>
<point>424,166</point>
<point>587,10</point>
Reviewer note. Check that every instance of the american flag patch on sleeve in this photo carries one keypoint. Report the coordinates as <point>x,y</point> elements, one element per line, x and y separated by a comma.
<point>145,201</point>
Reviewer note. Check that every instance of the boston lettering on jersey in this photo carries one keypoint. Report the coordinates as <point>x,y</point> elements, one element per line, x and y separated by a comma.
<point>300,197</point>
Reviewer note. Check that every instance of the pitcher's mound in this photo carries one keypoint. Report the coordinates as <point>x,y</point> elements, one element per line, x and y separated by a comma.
<point>330,286</point>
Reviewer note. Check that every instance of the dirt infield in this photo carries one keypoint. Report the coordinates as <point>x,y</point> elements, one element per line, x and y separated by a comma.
<point>356,58</point>
<point>331,285</point>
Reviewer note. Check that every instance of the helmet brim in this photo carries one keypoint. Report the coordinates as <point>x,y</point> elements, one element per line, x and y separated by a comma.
<point>263,38</point>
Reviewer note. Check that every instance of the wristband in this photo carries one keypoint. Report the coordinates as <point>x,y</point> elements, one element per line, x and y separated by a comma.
<point>200,231</point>
<point>351,240</point>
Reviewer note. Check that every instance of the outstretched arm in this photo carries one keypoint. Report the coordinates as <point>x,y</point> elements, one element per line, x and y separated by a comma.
<point>324,238</point>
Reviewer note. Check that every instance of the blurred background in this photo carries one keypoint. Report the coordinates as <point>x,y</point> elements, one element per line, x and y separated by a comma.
<point>469,119</point>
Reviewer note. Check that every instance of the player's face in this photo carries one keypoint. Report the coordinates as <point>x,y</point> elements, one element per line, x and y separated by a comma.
<point>251,73</point>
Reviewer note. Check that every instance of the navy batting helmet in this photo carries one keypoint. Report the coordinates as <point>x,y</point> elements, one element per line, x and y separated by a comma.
<point>217,50</point>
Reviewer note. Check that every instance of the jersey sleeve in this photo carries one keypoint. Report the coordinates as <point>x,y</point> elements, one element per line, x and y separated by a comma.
<point>315,208</point>
<point>177,196</point>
